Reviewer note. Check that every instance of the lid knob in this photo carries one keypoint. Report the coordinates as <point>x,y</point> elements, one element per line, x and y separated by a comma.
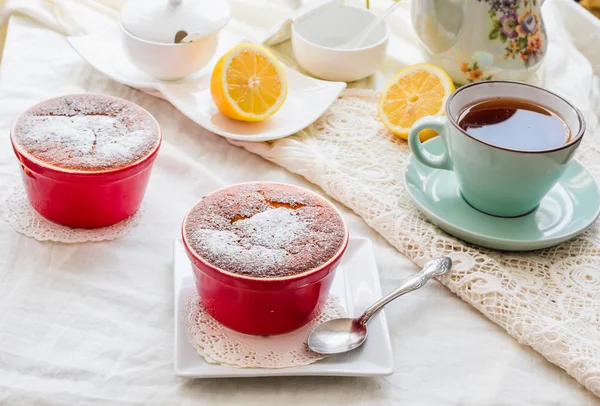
<point>175,2</point>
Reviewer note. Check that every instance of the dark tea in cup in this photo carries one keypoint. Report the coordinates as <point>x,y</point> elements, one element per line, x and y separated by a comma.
<point>514,124</point>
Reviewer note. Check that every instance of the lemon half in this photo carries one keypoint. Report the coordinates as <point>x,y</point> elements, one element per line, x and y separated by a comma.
<point>248,83</point>
<point>414,92</point>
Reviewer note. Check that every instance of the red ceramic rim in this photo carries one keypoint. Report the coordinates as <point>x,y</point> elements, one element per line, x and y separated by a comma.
<point>575,140</point>
<point>55,168</point>
<point>301,275</point>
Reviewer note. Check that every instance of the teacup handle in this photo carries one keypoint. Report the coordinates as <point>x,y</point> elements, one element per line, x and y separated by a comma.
<point>440,125</point>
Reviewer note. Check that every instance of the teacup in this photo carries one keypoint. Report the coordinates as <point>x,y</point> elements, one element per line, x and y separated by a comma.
<point>496,180</point>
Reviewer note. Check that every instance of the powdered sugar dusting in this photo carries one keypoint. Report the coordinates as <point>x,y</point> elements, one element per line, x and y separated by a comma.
<point>87,132</point>
<point>265,230</point>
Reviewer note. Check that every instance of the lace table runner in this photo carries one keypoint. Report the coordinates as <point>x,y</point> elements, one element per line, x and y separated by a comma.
<point>549,300</point>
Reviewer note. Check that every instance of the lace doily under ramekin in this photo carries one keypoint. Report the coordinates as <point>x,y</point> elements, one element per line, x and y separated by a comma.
<point>219,345</point>
<point>17,211</point>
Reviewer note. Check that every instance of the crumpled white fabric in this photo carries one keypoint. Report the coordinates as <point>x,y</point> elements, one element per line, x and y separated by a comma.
<point>92,324</point>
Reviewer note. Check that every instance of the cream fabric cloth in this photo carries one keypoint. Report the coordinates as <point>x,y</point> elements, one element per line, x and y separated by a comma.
<point>91,324</point>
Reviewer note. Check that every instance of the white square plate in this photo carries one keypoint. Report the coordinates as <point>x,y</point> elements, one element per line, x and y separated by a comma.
<point>306,101</point>
<point>356,283</point>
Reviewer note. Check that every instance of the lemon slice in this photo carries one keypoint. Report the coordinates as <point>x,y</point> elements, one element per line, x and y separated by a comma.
<point>417,91</point>
<point>248,83</point>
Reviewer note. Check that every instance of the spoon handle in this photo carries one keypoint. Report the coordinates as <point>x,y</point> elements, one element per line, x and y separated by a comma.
<point>359,39</point>
<point>435,267</point>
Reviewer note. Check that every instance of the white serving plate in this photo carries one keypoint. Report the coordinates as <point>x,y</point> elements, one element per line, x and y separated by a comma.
<point>356,284</point>
<point>306,101</point>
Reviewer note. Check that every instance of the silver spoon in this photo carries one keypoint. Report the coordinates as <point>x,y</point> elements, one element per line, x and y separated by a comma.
<point>340,335</point>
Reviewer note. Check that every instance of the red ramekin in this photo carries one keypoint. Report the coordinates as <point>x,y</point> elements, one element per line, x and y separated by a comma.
<point>85,199</point>
<point>263,306</point>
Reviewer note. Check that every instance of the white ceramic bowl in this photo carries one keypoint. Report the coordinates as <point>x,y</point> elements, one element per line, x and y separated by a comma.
<point>168,61</point>
<point>314,39</point>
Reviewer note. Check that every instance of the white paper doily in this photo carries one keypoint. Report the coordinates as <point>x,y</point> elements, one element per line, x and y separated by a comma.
<point>219,345</point>
<point>17,211</point>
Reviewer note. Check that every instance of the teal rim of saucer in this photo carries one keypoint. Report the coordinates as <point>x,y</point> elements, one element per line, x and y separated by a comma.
<point>570,207</point>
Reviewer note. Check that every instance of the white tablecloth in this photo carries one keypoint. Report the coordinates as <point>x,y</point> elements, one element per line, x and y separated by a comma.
<point>93,323</point>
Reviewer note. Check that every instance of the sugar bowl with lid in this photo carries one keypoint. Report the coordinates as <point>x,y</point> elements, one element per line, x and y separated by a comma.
<point>152,31</point>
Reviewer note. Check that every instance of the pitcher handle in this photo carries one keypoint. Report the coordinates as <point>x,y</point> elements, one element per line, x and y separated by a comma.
<point>440,125</point>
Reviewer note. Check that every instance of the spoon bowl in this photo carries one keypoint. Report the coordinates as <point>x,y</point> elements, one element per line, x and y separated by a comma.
<point>337,336</point>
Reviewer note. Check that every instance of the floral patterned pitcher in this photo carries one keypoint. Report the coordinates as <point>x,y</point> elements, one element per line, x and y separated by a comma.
<point>482,39</point>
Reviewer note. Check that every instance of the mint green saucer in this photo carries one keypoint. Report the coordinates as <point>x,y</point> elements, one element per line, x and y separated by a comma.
<point>570,207</point>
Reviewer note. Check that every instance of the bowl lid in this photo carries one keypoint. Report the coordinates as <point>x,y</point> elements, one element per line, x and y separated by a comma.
<point>160,20</point>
